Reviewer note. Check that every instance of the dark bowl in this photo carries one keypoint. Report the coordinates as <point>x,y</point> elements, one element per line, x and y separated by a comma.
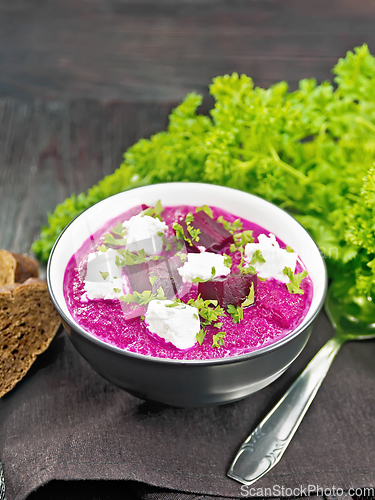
<point>188,383</point>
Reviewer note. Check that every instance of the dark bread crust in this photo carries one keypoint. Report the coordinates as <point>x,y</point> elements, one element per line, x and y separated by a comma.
<point>26,267</point>
<point>28,319</point>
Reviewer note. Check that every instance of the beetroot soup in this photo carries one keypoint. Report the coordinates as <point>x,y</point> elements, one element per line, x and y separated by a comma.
<point>188,283</point>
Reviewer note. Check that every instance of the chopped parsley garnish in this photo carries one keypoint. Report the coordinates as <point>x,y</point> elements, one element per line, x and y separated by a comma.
<point>139,298</point>
<point>257,258</point>
<point>200,280</point>
<point>117,290</point>
<point>189,218</point>
<point>289,249</point>
<point>206,209</point>
<point>250,298</point>
<point>119,230</point>
<point>179,230</point>
<point>104,274</point>
<point>218,339</point>
<point>176,304</point>
<point>111,241</point>
<point>152,279</point>
<point>168,246</point>
<point>102,248</point>
<point>295,280</point>
<point>129,258</point>
<point>194,233</point>
<point>182,255</point>
<point>232,227</point>
<point>206,312</point>
<point>155,211</point>
<point>236,313</point>
<point>243,238</point>
<point>227,261</point>
<point>242,266</point>
<point>233,248</point>
<point>200,336</point>
<point>160,295</point>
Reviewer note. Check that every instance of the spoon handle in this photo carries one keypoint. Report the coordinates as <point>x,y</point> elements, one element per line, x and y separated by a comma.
<point>265,446</point>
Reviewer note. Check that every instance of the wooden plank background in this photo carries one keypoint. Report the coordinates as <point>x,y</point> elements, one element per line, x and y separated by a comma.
<point>51,149</point>
<point>161,49</point>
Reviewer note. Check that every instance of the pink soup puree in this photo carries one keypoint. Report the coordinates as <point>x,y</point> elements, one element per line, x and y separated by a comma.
<point>275,312</point>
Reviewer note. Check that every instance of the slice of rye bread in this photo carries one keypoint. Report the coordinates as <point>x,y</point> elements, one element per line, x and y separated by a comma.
<point>28,319</point>
<point>16,267</point>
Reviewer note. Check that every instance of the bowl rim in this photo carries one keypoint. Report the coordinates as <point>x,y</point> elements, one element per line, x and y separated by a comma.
<point>238,358</point>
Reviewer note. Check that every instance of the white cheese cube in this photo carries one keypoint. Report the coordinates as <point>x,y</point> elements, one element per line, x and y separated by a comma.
<point>276,258</point>
<point>143,232</point>
<point>103,276</point>
<point>199,265</point>
<point>178,325</point>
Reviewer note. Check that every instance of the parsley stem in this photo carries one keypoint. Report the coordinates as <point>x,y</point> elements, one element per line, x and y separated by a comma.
<point>285,166</point>
<point>362,121</point>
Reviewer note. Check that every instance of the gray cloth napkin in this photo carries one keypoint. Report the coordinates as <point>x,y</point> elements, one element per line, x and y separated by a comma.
<point>64,422</point>
<point>2,484</point>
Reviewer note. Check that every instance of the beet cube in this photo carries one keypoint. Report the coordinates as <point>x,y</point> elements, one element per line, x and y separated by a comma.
<point>213,235</point>
<point>138,277</point>
<point>232,289</point>
<point>166,274</point>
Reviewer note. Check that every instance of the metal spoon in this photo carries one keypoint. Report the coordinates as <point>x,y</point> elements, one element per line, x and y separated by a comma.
<point>262,450</point>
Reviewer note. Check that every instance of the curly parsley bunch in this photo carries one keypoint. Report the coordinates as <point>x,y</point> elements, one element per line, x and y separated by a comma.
<point>311,151</point>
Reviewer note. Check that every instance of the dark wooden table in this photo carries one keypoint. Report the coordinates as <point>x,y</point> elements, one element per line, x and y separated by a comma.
<point>158,50</point>
<point>80,81</point>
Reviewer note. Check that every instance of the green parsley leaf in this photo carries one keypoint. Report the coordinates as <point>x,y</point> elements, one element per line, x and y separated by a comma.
<point>208,313</point>
<point>155,211</point>
<point>218,339</point>
<point>159,209</point>
<point>129,258</point>
<point>200,336</point>
<point>257,258</point>
<point>243,238</point>
<point>160,295</point>
<point>128,298</point>
<point>180,233</point>
<point>235,312</point>
<point>295,280</point>
<point>232,227</point>
<point>175,304</point>
<point>189,218</point>
<point>227,261</point>
<point>117,290</point>
<point>168,246</point>
<point>111,241</point>
<point>102,248</point>
<point>200,280</point>
<point>205,209</point>
<point>139,298</point>
<point>119,230</point>
<point>289,249</point>
<point>250,298</point>
<point>152,279</point>
<point>104,274</point>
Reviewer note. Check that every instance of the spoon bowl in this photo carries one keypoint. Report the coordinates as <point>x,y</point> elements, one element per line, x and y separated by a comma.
<point>352,319</point>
